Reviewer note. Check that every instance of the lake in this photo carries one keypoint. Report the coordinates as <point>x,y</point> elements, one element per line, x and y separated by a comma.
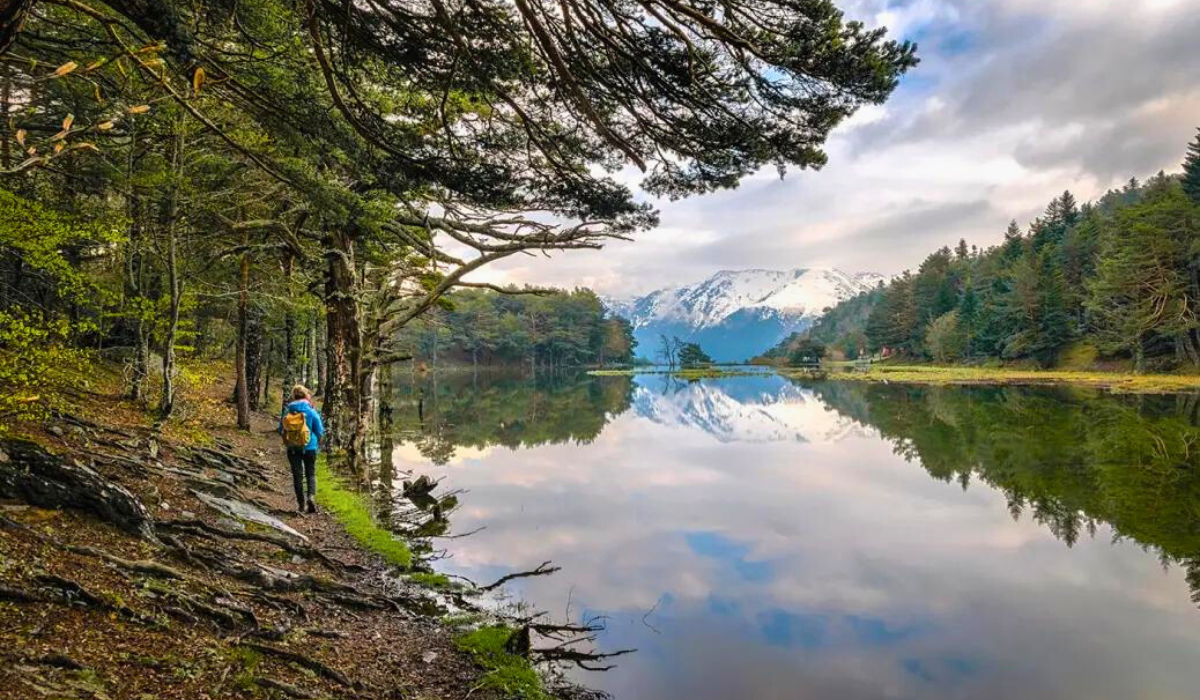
<point>753,537</point>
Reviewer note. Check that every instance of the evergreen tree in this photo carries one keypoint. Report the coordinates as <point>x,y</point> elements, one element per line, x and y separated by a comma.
<point>1191,170</point>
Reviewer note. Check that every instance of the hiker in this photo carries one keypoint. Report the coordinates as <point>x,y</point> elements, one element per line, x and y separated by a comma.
<point>302,430</point>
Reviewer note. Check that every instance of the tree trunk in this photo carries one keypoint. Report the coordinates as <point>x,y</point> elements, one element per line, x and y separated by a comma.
<point>135,283</point>
<point>242,392</point>
<point>290,373</point>
<point>12,17</point>
<point>343,395</point>
<point>167,400</point>
<point>6,80</point>
<point>254,357</point>
<point>320,350</point>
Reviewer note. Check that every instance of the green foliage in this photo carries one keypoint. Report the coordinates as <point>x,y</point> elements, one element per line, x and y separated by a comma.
<point>691,355</point>
<point>354,513</point>
<point>506,673</point>
<point>1191,170</point>
<point>806,351</point>
<point>38,365</point>
<point>568,329</point>
<point>1120,274</point>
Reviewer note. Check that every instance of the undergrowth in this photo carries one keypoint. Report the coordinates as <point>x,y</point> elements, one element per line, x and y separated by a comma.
<point>353,512</point>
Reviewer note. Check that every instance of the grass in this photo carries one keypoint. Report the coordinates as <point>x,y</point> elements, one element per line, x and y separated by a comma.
<point>431,580</point>
<point>931,374</point>
<point>509,674</point>
<point>353,512</point>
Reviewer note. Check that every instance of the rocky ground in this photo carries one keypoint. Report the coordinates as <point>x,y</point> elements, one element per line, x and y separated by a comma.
<point>124,573</point>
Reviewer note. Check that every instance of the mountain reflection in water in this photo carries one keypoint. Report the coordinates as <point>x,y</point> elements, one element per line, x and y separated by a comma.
<point>787,541</point>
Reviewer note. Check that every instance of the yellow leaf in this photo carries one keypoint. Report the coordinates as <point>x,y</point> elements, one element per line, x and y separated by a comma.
<point>104,126</point>
<point>68,121</point>
<point>32,150</point>
<point>21,137</point>
<point>58,147</point>
<point>197,80</point>
<point>59,136</point>
<point>88,146</point>
<point>139,109</point>
<point>65,68</point>
<point>96,64</point>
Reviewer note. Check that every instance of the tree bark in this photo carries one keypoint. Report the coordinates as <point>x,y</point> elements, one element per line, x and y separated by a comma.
<point>175,284</point>
<point>290,373</point>
<point>254,357</point>
<point>12,17</point>
<point>343,391</point>
<point>242,393</point>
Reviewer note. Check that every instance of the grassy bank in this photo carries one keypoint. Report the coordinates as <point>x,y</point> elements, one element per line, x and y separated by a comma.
<point>929,374</point>
<point>354,513</point>
<point>506,673</point>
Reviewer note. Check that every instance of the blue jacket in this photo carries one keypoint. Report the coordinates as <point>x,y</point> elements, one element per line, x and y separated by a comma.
<point>316,428</point>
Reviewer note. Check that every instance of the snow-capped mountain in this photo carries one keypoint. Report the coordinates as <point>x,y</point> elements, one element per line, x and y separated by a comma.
<point>737,314</point>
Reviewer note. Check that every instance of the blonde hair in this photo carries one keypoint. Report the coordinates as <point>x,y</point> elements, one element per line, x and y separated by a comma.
<point>300,392</point>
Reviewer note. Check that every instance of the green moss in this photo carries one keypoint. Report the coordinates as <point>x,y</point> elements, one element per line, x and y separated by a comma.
<point>507,673</point>
<point>431,580</point>
<point>353,512</point>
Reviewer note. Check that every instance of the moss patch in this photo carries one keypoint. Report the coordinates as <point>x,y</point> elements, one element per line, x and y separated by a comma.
<point>353,512</point>
<point>506,673</point>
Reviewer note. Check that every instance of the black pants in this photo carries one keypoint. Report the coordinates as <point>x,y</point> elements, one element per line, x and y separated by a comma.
<point>304,471</point>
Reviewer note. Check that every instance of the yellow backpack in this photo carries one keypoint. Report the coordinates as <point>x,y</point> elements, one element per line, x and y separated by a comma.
<point>295,430</point>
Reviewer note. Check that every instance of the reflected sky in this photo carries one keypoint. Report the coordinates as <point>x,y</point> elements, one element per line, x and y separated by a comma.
<point>752,539</point>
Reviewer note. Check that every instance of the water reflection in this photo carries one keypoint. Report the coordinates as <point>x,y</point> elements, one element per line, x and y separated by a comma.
<point>759,539</point>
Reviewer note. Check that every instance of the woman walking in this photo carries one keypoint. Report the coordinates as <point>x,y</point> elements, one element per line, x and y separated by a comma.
<point>302,430</point>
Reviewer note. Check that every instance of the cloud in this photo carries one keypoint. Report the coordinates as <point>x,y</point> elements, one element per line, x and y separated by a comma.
<point>1015,101</point>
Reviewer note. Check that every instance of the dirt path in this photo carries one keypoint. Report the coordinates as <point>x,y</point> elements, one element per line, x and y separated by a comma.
<point>208,606</point>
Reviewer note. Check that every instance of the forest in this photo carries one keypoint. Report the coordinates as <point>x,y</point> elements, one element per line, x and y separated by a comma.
<point>1116,280</point>
<point>287,186</point>
<point>551,330</point>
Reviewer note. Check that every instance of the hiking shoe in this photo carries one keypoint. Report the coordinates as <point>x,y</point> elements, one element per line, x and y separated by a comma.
<point>312,506</point>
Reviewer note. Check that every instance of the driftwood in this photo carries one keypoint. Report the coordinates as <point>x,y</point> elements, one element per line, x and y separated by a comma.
<point>29,473</point>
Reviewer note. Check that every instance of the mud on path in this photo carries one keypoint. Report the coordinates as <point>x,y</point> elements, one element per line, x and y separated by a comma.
<point>181,600</point>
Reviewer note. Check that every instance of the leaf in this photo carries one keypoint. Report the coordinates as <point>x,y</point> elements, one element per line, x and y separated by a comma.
<point>139,109</point>
<point>96,64</point>
<point>58,147</point>
<point>68,121</point>
<point>87,146</point>
<point>105,126</point>
<point>65,68</point>
<point>32,150</point>
<point>197,80</point>
<point>21,137</point>
<point>60,135</point>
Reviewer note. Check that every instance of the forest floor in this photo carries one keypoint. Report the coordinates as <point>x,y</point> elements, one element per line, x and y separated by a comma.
<point>143,588</point>
<point>1120,382</point>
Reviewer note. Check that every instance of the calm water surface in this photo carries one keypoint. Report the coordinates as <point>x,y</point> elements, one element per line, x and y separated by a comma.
<point>757,538</point>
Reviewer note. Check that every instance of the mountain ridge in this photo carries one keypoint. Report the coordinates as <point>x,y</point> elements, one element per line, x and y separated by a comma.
<point>737,314</point>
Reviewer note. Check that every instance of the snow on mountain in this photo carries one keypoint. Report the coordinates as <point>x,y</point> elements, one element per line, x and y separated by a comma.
<point>736,314</point>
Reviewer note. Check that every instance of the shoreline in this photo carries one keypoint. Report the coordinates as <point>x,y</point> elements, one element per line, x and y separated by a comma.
<point>934,375</point>
<point>176,565</point>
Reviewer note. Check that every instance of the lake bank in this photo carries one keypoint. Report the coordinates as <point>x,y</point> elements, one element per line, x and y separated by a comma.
<point>998,376</point>
<point>139,559</point>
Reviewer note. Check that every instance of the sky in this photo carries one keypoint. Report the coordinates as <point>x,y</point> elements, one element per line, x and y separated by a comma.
<point>1014,102</point>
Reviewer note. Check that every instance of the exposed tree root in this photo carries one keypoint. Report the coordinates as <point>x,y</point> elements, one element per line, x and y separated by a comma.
<point>37,477</point>
<point>311,664</point>
<point>203,529</point>
<point>286,688</point>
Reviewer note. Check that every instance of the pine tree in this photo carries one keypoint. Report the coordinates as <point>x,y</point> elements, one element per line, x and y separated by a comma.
<point>1191,170</point>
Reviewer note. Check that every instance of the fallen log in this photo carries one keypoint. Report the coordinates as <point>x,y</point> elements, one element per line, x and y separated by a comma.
<point>33,475</point>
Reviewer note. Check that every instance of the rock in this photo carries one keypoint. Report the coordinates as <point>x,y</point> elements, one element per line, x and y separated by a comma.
<point>3,456</point>
<point>231,524</point>
<point>187,515</point>
<point>297,559</point>
<point>164,505</point>
<point>429,657</point>
<point>244,511</point>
